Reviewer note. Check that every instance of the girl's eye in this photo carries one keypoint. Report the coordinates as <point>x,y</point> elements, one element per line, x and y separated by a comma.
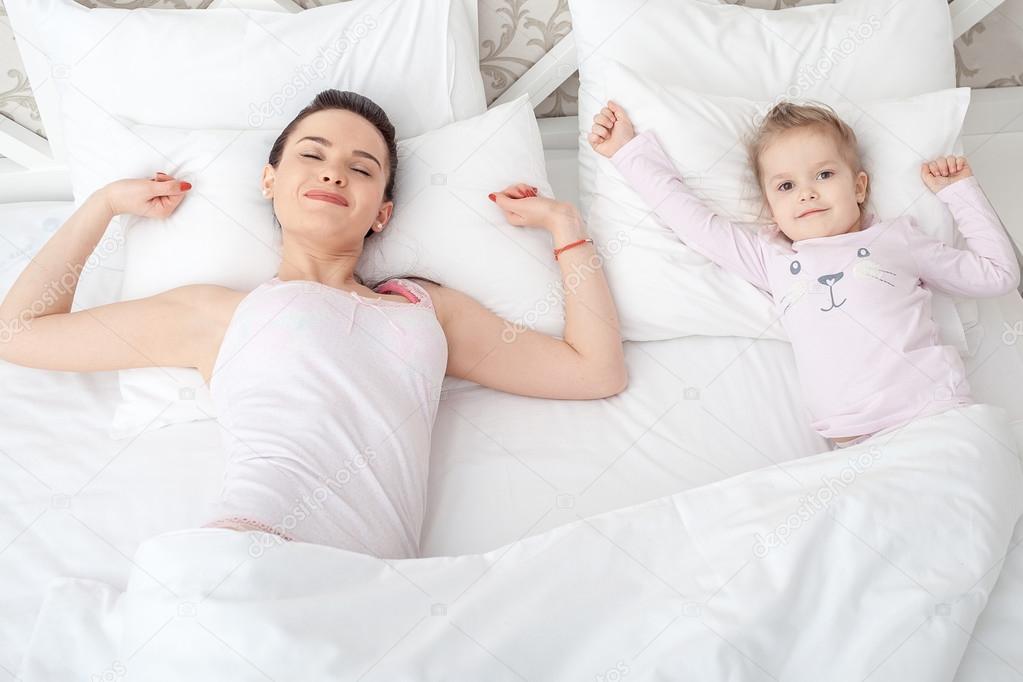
<point>785,186</point>
<point>825,174</point>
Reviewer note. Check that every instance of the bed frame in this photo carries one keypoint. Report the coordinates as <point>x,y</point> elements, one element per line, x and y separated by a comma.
<point>30,173</point>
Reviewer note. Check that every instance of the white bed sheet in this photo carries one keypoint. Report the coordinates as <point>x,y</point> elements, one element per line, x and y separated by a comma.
<point>698,409</point>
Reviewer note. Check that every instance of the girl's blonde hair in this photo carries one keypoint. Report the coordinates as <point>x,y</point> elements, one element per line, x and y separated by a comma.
<point>786,116</point>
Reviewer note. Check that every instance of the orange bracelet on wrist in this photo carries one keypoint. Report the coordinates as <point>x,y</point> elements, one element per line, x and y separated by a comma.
<point>566,247</point>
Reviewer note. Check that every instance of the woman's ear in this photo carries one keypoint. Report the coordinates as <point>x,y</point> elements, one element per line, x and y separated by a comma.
<point>383,215</point>
<point>267,183</point>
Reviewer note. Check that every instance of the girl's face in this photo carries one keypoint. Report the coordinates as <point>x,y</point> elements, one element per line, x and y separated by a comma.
<point>810,188</point>
<point>329,184</point>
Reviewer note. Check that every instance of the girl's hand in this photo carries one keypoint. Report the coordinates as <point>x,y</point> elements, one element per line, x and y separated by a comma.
<point>611,130</point>
<point>943,171</point>
<point>157,197</point>
<point>523,207</point>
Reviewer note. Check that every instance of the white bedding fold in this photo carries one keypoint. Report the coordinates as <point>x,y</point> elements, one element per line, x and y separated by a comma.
<point>759,576</point>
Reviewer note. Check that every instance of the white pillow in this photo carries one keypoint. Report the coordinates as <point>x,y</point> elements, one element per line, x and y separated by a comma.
<point>444,227</point>
<point>664,289</point>
<point>859,49</point>
<point>232,68</point>
<point>222,233</point>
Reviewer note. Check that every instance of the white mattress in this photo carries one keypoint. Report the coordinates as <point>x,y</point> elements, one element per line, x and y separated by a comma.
<point>698,409</point>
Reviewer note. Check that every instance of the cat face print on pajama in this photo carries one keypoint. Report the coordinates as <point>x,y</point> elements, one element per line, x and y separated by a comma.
<point>826,275</point>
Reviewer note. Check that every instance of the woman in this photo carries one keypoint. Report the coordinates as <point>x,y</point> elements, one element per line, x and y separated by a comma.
<point>326,389</point>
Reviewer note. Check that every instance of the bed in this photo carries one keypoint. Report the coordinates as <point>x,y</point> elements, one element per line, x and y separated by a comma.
<point>698,410</point>
<point>78,503</point>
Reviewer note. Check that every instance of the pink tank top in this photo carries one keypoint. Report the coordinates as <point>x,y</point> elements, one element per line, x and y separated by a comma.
<point>327,401</point>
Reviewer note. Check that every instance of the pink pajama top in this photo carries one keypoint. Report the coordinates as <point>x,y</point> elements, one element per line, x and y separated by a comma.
<point>856,306</point>
<point>326,401</point>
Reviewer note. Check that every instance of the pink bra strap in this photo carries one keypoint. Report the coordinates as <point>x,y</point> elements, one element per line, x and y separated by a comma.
<point>394,286</point>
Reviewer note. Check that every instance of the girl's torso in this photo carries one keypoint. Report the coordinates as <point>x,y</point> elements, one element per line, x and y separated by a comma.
<point>868,350</point>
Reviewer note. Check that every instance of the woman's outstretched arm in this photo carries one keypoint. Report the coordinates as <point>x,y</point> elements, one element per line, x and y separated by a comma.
<point>37,328</point>
<point>588,363</point>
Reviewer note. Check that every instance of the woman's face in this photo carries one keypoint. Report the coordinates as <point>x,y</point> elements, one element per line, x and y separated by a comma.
<point>329,184</point>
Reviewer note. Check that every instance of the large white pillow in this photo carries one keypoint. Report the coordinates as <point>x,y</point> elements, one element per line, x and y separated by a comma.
<point>234,68</point>
<point>664,289</point>
<point>862,50</point>
<point>444,227</point>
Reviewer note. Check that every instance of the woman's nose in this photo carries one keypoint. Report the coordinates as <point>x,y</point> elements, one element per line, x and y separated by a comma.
<point>339,180</point>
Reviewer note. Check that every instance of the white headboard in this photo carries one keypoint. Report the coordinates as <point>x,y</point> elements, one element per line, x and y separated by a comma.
<point>30,173</point>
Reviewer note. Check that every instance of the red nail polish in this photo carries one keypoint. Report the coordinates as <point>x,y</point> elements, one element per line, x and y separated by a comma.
<point>186,185</point>
<point>493,197</point>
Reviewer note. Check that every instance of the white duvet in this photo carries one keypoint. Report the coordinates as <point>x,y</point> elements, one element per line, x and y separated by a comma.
<point>869,562</point>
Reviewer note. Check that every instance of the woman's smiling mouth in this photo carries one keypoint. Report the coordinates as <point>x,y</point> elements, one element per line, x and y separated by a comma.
<point>321,195</point>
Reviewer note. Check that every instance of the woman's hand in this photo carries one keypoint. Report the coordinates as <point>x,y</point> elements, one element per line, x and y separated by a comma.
<point>157,197</point>
<point>943,171</point>
<point>522,206</point>
<point>612,128</point>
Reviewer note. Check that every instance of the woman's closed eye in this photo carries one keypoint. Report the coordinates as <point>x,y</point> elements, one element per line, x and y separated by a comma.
<point>356,169</point>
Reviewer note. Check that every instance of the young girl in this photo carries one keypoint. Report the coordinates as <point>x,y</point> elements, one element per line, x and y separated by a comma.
<point>848,286</point>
